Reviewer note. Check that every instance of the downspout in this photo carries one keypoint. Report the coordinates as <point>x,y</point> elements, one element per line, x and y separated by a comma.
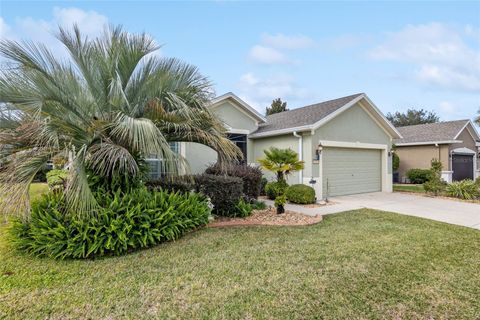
<point>300,154</point>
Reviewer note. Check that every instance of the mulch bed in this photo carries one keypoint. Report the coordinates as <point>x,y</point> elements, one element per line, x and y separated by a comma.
<point>267,217</point>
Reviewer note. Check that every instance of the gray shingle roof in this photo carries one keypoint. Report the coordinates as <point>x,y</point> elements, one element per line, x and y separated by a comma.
<point>304,116</point>
<point>431,132</point>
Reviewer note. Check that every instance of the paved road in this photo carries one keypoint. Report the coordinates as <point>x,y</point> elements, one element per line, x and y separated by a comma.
<point>444,210</point>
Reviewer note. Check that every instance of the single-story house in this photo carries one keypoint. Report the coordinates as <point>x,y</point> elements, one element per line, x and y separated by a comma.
<point>345,143</point>
<point>456,144</point>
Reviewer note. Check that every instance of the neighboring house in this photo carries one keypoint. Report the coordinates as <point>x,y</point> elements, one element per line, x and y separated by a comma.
<point>456,144</point>
<point>345,143</point>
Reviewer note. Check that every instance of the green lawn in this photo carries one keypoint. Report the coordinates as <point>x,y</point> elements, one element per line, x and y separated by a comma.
<point>418,188</point>
<point>37,189</point>
<point>357,265</point>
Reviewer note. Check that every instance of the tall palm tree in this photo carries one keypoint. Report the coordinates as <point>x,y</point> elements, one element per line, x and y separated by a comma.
<point>282,162</point>
<point>110,104</point>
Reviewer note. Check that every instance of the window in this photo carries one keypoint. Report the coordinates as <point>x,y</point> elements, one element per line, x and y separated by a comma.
<point>240,141</point>
<point>155,168</point>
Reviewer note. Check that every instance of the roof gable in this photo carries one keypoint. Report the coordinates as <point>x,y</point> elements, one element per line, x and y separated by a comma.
<point>242,105</point>
<point>314,116</point>
<point>430,133</point>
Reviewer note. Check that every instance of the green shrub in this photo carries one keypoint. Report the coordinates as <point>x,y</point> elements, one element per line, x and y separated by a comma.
<point>418,176</point>
<point>183,184</point>
<point>124,222</point>
<point>263,184</point>
<point>224,192</point>
<point>251,177</point>
<point>242,209</point>
<point>259,205</point>
<point>300,193</point>
<point>477,182</point>
<point>275,188</point>
<point>395,162</point>
<point>435,184</point>
<point>56,179</point>
<point>465,189</point>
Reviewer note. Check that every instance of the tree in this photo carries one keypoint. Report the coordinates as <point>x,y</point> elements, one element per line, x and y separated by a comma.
<point>477,120</point>
<point>277,106</point>
<point>412,117</point>
<point>109,106</point>
<point>281,161</point>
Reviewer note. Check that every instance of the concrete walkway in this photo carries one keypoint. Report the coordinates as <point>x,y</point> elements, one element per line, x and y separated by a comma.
<point>444,210</point>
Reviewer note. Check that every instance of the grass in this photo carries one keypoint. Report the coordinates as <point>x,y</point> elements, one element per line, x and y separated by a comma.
<point>417,188</point>
<point>357,265</point>
<point>37,189</point>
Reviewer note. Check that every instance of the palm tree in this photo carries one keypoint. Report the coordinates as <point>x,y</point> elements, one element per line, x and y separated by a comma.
<point>112,103</point>
<point>281,161</point>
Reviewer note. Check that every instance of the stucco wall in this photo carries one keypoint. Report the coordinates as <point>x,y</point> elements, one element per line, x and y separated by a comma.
<point>200,157</point>
<point>467,141</point>
<point>413,157</point>
<point>281,142</point>
<point>353,125</point>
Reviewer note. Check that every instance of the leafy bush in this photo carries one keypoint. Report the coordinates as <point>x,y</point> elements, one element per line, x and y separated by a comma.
<point>263,183</point>
<point>274,189</point>
<point>395,162</point>
<point>183,184</point>
<point>477,182</point>
<point>300,193</point>
<point>435,184</point>
<point>242,209</point>
<point>224,192</point>
<point>251,177</point>
<point>259,205</point>
<point>465,189</point>
<point>418,176</point>
<point>56,178</point>
<point>124,222</point>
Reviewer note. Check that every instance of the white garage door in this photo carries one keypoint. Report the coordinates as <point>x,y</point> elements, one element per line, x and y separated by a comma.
<point>350,171</point>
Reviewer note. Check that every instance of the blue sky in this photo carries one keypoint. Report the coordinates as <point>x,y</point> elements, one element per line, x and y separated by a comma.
<point>402,54</point>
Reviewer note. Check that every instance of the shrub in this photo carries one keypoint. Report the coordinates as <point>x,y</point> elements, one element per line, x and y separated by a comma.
<point>395,162</point>
<point>56,178</point>
<point>251,177</point>
<point>418,176</point>
<point>435,184</point>
<point>224,192</point>
<point>242,209</point>
<point>300,193</point>
<point>259,205</point>
<point>274,189</point>
<point>182,184</point>
<point>477,182</point>
<point>124,222</point>
<point>465,189</point>
<point>263,183</point>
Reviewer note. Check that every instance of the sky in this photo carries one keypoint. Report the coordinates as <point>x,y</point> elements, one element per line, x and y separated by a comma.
<point>401,54</point>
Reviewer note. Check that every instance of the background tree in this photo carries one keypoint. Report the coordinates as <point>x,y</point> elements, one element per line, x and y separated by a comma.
<point>105,109</point>
<point>277,106</point>
<point>477,120</point>
<point>412,117</point>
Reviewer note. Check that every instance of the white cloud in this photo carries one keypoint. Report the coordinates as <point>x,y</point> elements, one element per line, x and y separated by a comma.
<point>260,92</point>
<point>439,53</point>
<point>91,24</point>
<point>281,41</point>
<point>267,55</point>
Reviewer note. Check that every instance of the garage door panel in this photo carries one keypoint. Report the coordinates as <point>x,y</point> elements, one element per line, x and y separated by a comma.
<point>351,171</point>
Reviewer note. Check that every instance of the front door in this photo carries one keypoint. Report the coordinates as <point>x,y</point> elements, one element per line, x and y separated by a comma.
<point>462,166</point>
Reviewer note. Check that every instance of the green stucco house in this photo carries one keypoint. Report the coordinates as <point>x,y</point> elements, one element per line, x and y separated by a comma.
<point>345,143</point>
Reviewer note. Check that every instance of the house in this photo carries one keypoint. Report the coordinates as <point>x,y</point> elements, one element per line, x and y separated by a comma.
<point>456,144</point>
<point>345,143</point>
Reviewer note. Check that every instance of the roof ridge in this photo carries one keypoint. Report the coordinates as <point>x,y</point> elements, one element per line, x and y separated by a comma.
<point>434,123</point>
<point>352,96</point>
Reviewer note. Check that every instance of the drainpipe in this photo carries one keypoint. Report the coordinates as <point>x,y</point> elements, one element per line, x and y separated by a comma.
<point>300,153</point>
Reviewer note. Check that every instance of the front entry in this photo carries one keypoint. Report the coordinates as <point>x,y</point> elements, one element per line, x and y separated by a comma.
<point>462,166</point>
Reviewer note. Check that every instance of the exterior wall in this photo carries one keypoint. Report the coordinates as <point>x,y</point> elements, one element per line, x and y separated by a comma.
<point>413,157</point>
<point>199,156</point>
<point>281,142</point>
<point>353,126</point>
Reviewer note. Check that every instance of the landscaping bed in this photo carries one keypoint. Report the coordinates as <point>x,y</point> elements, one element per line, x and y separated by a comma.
<point>268,217</point>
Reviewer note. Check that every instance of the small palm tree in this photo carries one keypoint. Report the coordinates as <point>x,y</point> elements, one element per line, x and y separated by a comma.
<point>282,162</point>
<point>110,105</point>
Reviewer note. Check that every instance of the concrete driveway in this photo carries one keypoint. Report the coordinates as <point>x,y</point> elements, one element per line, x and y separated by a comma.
<point>444,210</point>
